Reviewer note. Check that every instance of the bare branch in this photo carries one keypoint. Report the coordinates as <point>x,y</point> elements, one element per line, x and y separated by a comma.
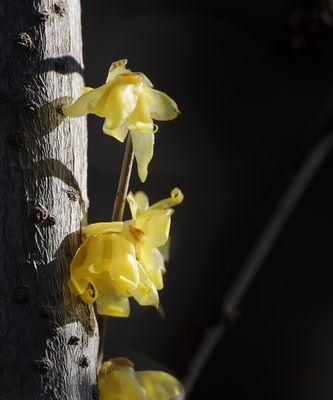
<point>257,257</point>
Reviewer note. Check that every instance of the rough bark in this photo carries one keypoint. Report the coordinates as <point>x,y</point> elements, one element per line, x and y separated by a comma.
<point>48,338</point>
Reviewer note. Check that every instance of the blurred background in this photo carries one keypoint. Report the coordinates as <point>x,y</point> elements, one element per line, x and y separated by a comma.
<point>253,80</point>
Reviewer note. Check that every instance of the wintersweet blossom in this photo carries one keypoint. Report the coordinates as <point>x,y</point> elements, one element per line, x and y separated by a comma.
<point>117,379</point>
<point>127,101</point>
<point>118,260</point>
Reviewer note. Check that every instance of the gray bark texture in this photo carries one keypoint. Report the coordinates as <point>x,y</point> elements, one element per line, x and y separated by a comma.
<point>48,338</point>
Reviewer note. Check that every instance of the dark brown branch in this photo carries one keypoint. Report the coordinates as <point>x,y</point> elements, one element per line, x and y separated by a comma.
<point>257,257</point>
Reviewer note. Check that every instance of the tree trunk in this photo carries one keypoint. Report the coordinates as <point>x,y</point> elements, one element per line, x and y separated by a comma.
<point>48,339</point>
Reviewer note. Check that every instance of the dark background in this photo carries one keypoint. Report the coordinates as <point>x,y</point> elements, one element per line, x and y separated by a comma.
<point>253,80</point>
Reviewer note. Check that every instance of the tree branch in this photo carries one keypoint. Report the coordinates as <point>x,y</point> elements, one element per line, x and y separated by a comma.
<point>125,175</point>
<point>255,260</point>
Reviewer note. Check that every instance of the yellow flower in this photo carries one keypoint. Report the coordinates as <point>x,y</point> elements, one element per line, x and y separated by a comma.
<point>127,101</point>
<point>118,260</point>
<point>117,380</point>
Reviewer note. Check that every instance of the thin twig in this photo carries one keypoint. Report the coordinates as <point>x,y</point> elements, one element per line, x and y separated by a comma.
<point>125,175</point>
<point>118,212</point>
<point>257,256</point>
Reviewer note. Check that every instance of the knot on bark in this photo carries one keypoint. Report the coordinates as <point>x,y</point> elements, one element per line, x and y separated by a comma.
<point>73,341</point>
<point>43,15</point>
<point>84,362</point>
<point>30,107</point>
<point>59,109</point>
<point>60,8</point>
<point>43,365</point>
<point>52,220</point>
<point>39,215</point>
<point>24,40</point>
<point>72,194</point>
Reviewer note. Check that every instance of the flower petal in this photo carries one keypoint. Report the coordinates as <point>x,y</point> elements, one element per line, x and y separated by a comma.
<point>109,302</point>
<point>165,250</point>
<point>85,90</point>
<point>95,252</point>
<point>161,106</point>
<point>79,281</point>
<point>132,204</point>
<point>119,133</point>
<point>138,201</point>
<point>140,119</point>
<point>119,100</point>
<point>78,286</point>
<point>142,201</point>
<point>102,227</point>
<point>85,104</point>
<point>104,368</point>
<point>145,294</point>
<point>121,385</point>
<point>123,265</point>
<point>117,68</point>
<point>80,256</point>
<point>176,198</point>
<point>156,228</point>
<point>159,385</point>
<point>90,295</point>
<point>143,145</point>
<point>153,263</point>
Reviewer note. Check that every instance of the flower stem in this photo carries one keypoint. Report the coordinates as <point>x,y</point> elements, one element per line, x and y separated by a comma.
<point>125,175</point>
<point>118,212</point>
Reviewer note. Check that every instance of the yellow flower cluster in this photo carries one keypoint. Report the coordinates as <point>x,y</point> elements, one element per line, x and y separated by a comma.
<point>127,101</point>
<point>118,380</point>
<point>118,260</point>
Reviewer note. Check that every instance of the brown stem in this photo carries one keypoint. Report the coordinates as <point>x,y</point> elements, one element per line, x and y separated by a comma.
<point>125,175</point>
<point>118,212</point>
